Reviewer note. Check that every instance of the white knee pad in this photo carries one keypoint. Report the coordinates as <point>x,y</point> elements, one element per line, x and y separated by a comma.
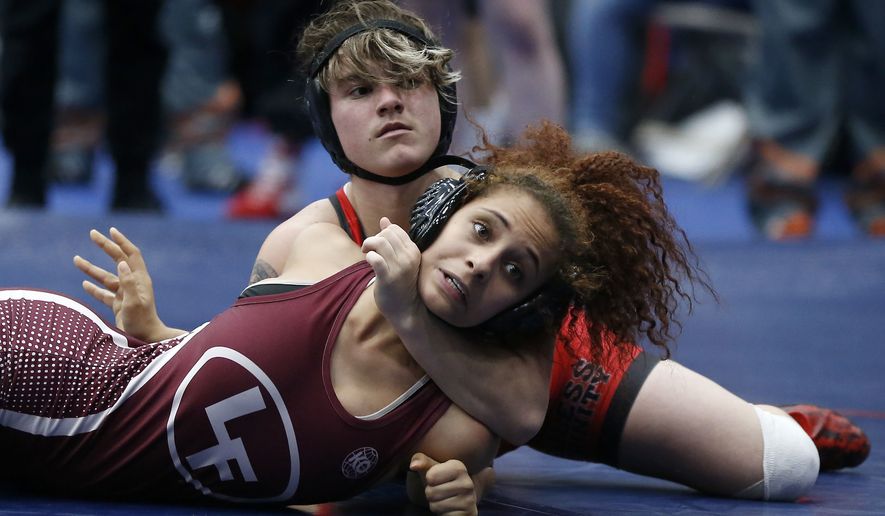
<point>790,460</point>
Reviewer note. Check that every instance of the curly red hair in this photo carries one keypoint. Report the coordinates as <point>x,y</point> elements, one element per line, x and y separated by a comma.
<point>628,263</point>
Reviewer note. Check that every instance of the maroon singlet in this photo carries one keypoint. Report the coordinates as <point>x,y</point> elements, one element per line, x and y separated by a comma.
<point>240,409</point>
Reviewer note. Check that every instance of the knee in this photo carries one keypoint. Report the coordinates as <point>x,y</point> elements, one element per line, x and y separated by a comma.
<point>790,460</point>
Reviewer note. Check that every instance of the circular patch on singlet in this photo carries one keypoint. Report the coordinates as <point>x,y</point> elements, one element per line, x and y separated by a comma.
<point>233,440</point>
<point>359,462</point>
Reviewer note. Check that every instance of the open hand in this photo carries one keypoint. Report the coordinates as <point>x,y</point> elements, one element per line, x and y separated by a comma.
<point>130,292</point>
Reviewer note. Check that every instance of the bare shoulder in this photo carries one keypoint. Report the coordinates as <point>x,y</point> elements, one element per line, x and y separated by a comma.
<point>318,251</point>
<point>274,252</point>
<point>317,212</point>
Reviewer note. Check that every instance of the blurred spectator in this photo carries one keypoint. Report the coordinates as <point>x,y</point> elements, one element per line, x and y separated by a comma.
<point>820,70</point>
<point>262,37</point>
<point>135,60</point>
<point>200,97</point>
<point>79,95</point>
<point>199,100</point>
<point>661,80</point>
<point>514,74</point>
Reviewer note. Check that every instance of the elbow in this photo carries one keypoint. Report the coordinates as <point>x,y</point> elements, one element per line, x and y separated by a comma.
<point>526,426</point>
<point>528,416</point>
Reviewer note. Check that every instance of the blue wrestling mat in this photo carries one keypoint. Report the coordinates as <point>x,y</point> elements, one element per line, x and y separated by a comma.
<point>797,322</point>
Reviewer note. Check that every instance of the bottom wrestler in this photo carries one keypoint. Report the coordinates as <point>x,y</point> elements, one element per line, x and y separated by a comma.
<point>305,395</point>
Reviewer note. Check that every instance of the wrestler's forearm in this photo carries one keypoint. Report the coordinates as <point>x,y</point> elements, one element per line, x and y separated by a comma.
<point>504,389</point>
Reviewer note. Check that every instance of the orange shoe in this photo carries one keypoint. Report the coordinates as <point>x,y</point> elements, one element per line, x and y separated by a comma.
<point>866,201</point>
<point>840,443</point>
<point>781,193</point>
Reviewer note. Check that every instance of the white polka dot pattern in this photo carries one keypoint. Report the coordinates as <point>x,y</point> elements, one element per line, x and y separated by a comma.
<point>56,362</point>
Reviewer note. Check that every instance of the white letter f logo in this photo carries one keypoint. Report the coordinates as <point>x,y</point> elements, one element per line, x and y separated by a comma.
<point>228,449</point>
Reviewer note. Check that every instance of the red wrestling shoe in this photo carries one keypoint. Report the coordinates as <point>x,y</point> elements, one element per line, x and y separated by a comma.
<point>840,443</point>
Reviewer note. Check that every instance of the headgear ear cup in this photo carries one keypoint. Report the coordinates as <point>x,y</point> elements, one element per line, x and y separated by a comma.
<point>321,118</point>
<point>437,204</point>
<point>527,316</point>
<point>432,210</point>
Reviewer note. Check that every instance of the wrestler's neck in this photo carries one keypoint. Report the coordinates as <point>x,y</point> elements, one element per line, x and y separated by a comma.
<point>370,367</point>
<point>373,200</point>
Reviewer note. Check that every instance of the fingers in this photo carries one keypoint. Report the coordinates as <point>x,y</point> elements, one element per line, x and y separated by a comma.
<point>435,473</point>
<point>440,474</point>
<point>398,235</point>
<point>124,272</point>
<point>107,245</point>
<point>100,294</point>
<point>420,463</point>
<point>118,247</point>
<point>110,281</point>
<point>379,265</point>
<point>128,283</point>
<point>448,487</point>
<point>393,243</point>
<point>130,250</point>
<point>381,246</point>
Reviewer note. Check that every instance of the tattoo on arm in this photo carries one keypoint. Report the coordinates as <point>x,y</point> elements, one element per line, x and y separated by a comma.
<point>262,270</point>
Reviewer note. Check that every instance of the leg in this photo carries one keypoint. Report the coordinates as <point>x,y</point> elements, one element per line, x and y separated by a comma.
<point>261,38</point>
<point>793,92</point>
<point>840,443</point>
<point>864,75</point>
<point>793,103</point>
<point>670,423</point>
<point>135,64</point>
<point>28,62</point>
<point>632,411</point>
<point>605,39</point>
<point>523,30</point>
<point>79,95</point>
<point>198,94</point>
<point>719,443</point>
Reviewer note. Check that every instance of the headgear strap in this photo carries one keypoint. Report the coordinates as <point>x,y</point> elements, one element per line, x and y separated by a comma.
<point>320,60</point>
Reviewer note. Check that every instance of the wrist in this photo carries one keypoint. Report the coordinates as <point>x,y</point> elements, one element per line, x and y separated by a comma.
<point>412,322</point>
<point>159,331</point>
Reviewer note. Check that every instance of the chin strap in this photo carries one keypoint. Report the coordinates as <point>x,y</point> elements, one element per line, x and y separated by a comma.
<point>432,163</point>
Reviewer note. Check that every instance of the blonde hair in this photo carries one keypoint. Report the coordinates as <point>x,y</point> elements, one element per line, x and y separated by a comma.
<point>380,55</point>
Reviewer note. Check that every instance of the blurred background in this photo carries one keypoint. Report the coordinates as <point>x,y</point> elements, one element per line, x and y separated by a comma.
<point>765,118</point>
<point>180,122</point>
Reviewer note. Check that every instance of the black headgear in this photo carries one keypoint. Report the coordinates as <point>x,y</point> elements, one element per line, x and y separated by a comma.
<point>439,201</point>
<point>321,118</point>
<point>432,211</point>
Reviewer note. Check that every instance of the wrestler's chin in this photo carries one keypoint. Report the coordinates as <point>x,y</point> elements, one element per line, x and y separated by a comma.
<point>439,304</point>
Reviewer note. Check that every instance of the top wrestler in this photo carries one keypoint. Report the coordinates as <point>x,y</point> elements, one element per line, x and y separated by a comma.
<point>382,100</point>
